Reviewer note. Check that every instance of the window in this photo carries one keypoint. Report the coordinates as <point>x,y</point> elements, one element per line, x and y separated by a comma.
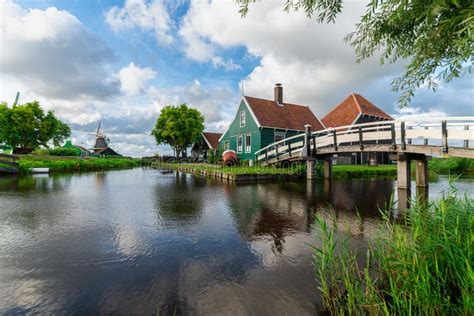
<point>239,143</point>
<point>242,118</point>
<point>279,136</point>
<point>248,145</point>
<point>226,145</point>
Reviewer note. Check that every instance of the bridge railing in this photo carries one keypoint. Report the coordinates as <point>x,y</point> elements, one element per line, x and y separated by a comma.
<point>440,131</point>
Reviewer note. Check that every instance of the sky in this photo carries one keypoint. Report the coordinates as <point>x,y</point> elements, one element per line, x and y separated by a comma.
<point>121,62</point>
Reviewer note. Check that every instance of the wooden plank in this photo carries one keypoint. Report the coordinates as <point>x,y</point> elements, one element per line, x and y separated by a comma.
<point>8,170</point>
<point>10,163</point>
<point>9,156</point>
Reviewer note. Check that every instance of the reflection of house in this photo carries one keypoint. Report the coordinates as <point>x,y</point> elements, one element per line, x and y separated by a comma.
<point>81,151</point>
<point>207,141</point>
<point>356,109</point>
<point>260,122</point>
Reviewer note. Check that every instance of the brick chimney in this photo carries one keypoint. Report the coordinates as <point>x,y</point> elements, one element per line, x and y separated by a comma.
<point>278,93</point>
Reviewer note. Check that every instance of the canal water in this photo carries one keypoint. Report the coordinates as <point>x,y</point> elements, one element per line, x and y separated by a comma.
<point>141,242</point>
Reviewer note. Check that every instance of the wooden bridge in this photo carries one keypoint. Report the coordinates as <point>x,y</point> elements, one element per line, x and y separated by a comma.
<point>406,140</point>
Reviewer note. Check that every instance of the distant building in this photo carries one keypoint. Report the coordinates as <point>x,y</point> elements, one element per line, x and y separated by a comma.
<point>81,151</point>
<point>355,109</point>
<point>259,122</point>
<point>207,141</point>
<point>101,146</point>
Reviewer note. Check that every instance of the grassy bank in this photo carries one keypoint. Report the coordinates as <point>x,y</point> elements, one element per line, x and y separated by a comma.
<point>56,163</point>
<point>419,266</point>
<point>451,165</point>
<point>339,171</point>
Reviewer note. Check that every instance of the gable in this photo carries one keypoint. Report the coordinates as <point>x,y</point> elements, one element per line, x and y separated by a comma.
<point>284,116</point>
<point>251,124</point>
<point>350,109</point>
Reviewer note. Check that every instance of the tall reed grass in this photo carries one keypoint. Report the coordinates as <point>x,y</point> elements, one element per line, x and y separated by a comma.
<point>421,265</point>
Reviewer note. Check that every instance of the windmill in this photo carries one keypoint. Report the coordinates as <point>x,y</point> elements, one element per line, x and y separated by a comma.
<point>101,140</point>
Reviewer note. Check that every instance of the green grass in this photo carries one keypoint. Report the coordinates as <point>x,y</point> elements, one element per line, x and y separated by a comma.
<point>451,165</point>
<point>55,163</point>
<point>419,266</point>
<point>339,171</point>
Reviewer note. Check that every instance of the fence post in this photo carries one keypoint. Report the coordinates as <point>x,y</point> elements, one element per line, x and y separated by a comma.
<point>466,142</point>
<point>444,131</point>
<point>409,139</point>
<point>402,135</point>
<point>361,144</point>
<point>425,141</point>
<point>334,139</point>
<point>314,145</point>
<point>307,140</point>
<point>392,129</point>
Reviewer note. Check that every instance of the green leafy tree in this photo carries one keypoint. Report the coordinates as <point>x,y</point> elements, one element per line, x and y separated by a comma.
<point>435,36</point>
<point>179,127</point>
<point>26,127</point>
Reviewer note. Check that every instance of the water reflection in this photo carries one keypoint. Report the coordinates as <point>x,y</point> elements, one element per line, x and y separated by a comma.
<point>137,241</point>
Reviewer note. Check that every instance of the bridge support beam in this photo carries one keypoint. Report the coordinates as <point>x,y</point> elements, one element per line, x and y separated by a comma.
<point>422,172</point>
<point>310,169</point>
<point>403,173</point>
<point>327,168</point>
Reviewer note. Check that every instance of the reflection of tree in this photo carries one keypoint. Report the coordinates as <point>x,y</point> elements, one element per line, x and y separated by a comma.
<point>180,200</point>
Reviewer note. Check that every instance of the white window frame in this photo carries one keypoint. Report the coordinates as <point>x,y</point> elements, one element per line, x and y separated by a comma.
<point>279,133</point>
<point>248,147</point>
<point>241,146</point>
<point>242,118</point>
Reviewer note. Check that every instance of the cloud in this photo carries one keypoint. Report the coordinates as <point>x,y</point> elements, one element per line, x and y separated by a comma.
<point>312,60</point>
<point>53,54</point>
<point>133,78</point>
<point>141,15</point>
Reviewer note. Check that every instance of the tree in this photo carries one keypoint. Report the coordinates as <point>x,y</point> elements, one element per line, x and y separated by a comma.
<point>179,127</point>
<point>26,127</point>
<point>436,36</point>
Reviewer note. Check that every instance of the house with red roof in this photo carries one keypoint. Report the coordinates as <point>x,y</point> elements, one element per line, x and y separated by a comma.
<point>260,122</point>
<point>207,141</point>
<point>355,109</point>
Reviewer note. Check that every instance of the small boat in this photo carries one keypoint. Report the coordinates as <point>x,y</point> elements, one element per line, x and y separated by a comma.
<point>230,157</point>
<point>39,170</point>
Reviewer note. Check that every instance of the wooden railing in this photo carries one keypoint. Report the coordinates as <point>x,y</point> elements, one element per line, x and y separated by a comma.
<point>444,132</point>
<point>8,164</point>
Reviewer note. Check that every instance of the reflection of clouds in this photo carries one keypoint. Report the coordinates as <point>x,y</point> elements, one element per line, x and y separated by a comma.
<point>128,241</point>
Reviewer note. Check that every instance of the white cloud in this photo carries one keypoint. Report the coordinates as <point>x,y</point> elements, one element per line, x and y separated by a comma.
<point>312,60</point>
<point>142,15</point>
<point>133,78</point>
<point>53,54</point>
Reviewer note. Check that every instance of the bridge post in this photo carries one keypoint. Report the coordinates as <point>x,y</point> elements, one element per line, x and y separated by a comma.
<point>422,172</point>
<point>403,172</point>
<point>327,168</point>
<point>310,169</point>
<point>307,140</point>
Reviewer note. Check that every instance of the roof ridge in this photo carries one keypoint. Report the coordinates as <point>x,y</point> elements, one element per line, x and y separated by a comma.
<point>284,103</point>
<point>356,102</point>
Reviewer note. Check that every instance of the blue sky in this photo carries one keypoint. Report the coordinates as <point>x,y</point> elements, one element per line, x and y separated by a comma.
<point>122,61</point>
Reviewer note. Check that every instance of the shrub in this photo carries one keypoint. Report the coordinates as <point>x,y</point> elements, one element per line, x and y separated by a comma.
<point>60,151</point>
<point>419,266</point>
<point>40,152</point>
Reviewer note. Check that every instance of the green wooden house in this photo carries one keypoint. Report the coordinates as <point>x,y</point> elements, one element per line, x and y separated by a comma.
<point>260,122</point>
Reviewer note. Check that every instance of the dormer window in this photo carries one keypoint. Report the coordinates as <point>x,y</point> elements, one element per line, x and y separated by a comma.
<point>242,118</point>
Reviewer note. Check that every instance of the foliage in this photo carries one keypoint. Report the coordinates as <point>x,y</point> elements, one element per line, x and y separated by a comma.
<point>26,127</point>
<point>40,152</point>
<point>179,127</point>
<point>451,165</point>
<point>60,151</point>
<point>57,163</point>
<point>212,156</point>
<point>436,36</point>
<point>419,266</point>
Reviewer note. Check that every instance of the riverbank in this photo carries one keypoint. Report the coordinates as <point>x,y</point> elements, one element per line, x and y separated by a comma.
<point>70,164</point>
<point>246,173</point>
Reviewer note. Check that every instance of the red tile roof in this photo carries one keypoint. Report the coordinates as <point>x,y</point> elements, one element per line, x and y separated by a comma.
<point>286,116</point>
<point>212,139</point>
<point>347,111</point>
